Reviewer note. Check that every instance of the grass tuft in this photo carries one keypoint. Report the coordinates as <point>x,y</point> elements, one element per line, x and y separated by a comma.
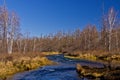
<point>11,64</point>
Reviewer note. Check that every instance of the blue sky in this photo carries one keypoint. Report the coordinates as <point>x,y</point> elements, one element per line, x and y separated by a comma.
<point>49,16</point>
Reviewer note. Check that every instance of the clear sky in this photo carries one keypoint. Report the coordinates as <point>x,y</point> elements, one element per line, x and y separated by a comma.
<point>49,16</point>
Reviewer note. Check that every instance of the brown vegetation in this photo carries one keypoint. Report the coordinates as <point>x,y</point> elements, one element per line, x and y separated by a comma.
<point>10,64</point>
<point>101,73</point>
<point>110,71</point>
<point>106,58</point>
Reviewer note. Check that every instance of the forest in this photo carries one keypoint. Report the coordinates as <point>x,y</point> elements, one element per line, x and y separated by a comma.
<point>105,37</point>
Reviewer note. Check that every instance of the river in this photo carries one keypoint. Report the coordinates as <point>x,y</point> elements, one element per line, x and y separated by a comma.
<point>64,70</point>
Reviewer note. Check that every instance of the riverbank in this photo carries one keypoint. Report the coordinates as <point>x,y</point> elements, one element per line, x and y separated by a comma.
<point>64,70</point>
<point>103,57</point>
<point>110,61</point>
<point>105,73</point>
<point>50,53</point>
<point>16,62</point>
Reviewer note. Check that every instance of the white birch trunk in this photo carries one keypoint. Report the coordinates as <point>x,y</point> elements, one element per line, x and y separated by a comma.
<point>19,45</point>
<point>24,49</point>
<point>34,46</point>
<point>10,41</point>
<point>116,40</point>
<point>111,21</point>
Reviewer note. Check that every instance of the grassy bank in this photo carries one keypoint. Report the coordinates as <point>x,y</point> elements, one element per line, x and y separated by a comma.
<point>50,53</point>
<point>11,64</point>
<point>110,71</point>
<point>83,56</point>
<point>103,57</point>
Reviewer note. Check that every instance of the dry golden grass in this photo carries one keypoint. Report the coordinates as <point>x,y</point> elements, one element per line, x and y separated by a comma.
<point>50,53</point>
<point>86,56</point>
<point>101,56</point>
<point>11,64</point>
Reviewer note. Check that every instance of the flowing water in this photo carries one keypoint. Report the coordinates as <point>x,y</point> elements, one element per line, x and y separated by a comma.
<point>64,70</point>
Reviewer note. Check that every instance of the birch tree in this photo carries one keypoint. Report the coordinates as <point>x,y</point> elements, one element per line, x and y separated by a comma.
<point>111,22</point>
<point>34,44</point>
<point>104,34</point>
<point>26,42</point>
<point>4,22</point>
<point>14,24</point>
<point>9,23</point>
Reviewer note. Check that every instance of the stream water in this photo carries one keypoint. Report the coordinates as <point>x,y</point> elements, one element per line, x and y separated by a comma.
<point>64,70</point>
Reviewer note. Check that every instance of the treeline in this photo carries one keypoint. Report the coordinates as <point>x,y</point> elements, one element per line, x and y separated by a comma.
<point>89,39</point>
<point>107,38</point>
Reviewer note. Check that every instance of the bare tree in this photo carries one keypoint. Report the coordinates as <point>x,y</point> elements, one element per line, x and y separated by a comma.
<point>14,24</point>
<point>111,22</point>
<point>26,42</point>
<point>4,22</point>
<point>19,42</point>
<point>34,44</point>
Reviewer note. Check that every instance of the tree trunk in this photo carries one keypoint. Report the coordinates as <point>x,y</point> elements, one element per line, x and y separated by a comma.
<point>34,46</point>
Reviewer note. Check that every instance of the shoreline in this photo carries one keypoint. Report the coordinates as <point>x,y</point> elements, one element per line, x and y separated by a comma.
<point>111,69</point>
<point>15,63</point>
